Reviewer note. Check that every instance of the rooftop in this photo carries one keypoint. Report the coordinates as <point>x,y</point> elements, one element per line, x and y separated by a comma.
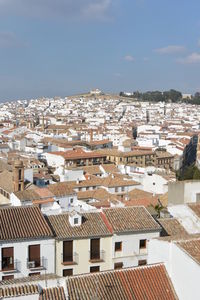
<point>23,223</point>
<point>131,219</point>
<point>149,282</point>
<point>92,226</point>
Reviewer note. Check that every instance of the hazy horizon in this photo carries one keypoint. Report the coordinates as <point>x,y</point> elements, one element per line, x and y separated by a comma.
<point>67,47</point>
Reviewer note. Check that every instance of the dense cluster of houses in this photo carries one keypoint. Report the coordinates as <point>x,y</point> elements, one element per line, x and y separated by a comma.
<point>89,203</point>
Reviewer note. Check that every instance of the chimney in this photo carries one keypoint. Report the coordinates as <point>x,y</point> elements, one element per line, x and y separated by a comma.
<point>18,176</point>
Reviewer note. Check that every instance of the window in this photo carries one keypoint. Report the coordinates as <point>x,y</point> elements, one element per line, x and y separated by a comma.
<point>20,174</point>
<point>95,249</point>
<point>71,200</point>
<point>118,246</point>
<point>67,272</point>
<point>94,269</point>
<point>154,183</point>
<point>123,188</point>
<point>118,265</point>
<point>7,258</point>
<point>75,221</point>
<point>67,251</point>
<point>34,274</point>
<point>34,256</point>
<point>7,277</point>
<point>116,189</point>
<point>142,262</point>
<point>143,244</point>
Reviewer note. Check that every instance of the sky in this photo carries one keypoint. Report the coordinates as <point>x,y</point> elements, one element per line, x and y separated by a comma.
<point>63,47</point>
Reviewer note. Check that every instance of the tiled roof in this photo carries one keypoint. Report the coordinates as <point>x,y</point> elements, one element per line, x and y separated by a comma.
<point>93,170</point>
<point>28,280</point>
<point>115,152</point>
<point>130,219</point>
<point>27,195</point>
<point>142,283</point>
<point>146,202</point>
<point>92,225</point>
<point>196,208</point>
<point>6,181</point>
<point>110,168</point>
<point>191,247</point>
<point>164,199</point>
<point>78,154</point>
<point>139,197</point>
<point>112,181</point>
<point>56,293</point>
<point>17,291</point>
<point>61,189</point>
<point>23,223</point>
<point>99,194</point>
<point>172,227</point>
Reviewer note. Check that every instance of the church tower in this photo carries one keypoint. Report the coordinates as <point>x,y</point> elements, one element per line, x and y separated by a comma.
<point>18,176</point>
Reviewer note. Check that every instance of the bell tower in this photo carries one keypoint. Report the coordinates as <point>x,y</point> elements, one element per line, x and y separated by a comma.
<point>18,176</point>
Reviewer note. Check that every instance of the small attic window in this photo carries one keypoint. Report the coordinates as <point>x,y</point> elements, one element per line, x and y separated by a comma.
<point>75,221</point>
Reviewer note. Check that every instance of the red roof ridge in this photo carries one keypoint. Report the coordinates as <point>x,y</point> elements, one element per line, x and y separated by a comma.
<point>106,222</point>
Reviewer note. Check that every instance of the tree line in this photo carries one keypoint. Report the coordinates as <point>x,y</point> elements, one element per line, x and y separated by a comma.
<point>166,96</point>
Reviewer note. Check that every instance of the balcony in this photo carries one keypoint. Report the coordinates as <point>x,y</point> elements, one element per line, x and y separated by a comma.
<point>96,257</point>
<point>8,265</point>
<point>37,263</point>
<point>68,260</point>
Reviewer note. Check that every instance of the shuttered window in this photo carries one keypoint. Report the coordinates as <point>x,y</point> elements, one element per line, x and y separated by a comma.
<point>7,277</point>
<point>67,251</point>
<point>95,249</point>
<point>34,255</point>
<point>67,272</point>
<point>8,258</point>
<point>94,269</point>
<point>118,265</point>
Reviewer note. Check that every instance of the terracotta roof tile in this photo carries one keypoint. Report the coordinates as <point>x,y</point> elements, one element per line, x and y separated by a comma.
<point>55,293</point>
<point>78,154</point>
<point>196,208</point>
<point>172,227</point>
<point>110,168</point>
<point>130,219</point>
<point>149,282</point>
<point>192,248</point>
<point>23,223</point>
<point>61,189</point>
<point>92,225</point>
<point>17,291</point>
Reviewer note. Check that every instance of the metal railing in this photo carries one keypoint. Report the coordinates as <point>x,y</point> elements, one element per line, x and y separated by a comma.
<point>35,263</point>
<point>97,256</point>
<point>8,264</point>
<point>69,259</point>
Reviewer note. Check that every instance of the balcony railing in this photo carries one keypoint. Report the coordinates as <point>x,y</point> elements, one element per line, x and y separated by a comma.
<point>9,265</point>
<point>69,259</point>
<point>98,256</point>
<point>37,263</point>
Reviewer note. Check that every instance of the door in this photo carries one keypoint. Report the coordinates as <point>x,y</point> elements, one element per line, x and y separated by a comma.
<point>68,251</point>
<point>95,249</point>
<point>7,258</point>
<point>34,255</point>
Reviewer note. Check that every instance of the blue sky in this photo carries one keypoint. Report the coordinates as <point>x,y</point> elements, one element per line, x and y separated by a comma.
<point>63,47</point>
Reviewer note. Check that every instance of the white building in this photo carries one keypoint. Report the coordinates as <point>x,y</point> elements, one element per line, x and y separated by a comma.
<point>26,243</point>
<point>181,258</point>
<point>132,228</point>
